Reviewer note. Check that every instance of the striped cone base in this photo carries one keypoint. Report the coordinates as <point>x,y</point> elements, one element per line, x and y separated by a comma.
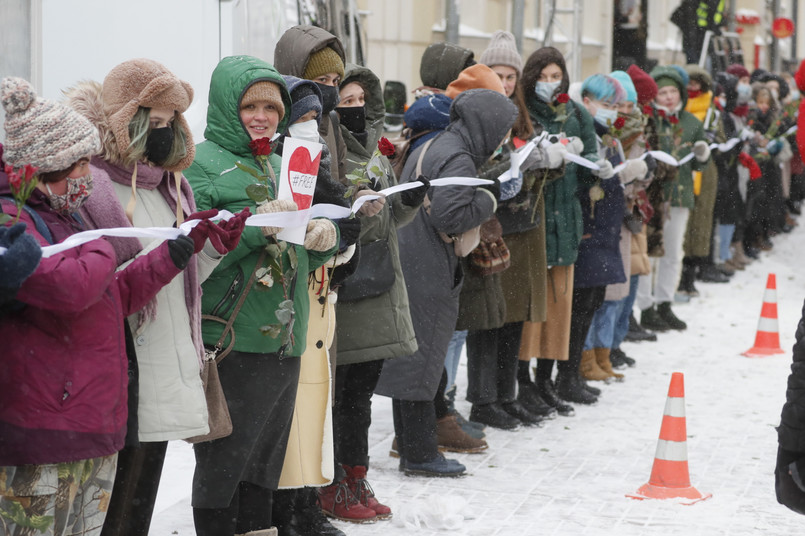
<point>767,340</point>
<point>669,476</point>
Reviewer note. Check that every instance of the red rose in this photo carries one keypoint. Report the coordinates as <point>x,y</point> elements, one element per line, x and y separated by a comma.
<point>673,119</point>
<point>385,147</point>
<point>260,147</point>
<point>14,179</point>
<point>619,123</point>
<point>661,113</point>
<point>647,109</point>
<point>562,98</point>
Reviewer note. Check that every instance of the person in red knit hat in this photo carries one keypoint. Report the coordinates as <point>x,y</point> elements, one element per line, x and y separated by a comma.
<point>645,86</point>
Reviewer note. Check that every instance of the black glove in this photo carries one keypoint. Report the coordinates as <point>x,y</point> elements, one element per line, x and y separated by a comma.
<point>415,196</point>
<point>651,163</point>
<point>20,260</point>
<point>494,188</point>
<point>181,249</point>
<point>350,229</point>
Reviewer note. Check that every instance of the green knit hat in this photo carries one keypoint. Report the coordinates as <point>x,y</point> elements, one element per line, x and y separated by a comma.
<point>322,62</point>
<point>665,81</point>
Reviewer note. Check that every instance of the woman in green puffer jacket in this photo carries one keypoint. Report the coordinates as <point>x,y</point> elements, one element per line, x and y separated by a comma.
<point>247,102</point>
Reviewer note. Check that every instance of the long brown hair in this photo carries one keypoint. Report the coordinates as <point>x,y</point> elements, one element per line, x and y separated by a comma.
<point>522,127</point>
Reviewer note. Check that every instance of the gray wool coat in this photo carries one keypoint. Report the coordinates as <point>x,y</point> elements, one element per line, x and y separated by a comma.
<point>479,120</point>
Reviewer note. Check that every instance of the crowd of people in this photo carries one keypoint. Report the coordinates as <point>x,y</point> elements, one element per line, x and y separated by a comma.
<point>624,189</point>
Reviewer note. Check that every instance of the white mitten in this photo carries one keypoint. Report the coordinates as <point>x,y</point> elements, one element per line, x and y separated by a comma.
<point>634,170</point>
<point>321,235</point>
<point>701,151</point>
<point>278,205</point>
<point>605,171</point>
<point>555,154</point>
<point>575,145</point>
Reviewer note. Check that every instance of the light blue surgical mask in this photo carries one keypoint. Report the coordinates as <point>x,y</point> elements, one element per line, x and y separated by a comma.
<point>545,90</point>
<point>744,93</point>
<point>606,117</point>
<point>794,95</point>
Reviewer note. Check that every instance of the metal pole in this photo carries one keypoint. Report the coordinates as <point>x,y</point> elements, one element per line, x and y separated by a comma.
<point>577,43</point>
<point>353,39</point>
<point>451,24</point>
<point>774,53</point>
<point>518,12</point>
<point>795,18</point>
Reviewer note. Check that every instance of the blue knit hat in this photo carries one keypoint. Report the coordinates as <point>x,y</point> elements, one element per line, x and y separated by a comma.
<point>305,96</point>
<point>626,82</point>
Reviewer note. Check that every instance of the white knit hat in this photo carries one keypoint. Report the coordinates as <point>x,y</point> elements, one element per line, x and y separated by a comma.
<point>502,50</point>
<point>44,133</point>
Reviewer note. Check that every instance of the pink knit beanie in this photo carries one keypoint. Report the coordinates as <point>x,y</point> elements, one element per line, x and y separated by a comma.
<point>41,132</point>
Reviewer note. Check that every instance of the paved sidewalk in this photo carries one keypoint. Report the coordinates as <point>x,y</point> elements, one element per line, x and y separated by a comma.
<point>570,476</point>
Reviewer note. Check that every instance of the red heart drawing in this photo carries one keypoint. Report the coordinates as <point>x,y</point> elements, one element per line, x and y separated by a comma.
<point>301,164</point>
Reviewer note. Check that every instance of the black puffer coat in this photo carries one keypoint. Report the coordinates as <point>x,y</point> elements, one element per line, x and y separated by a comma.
<point>790,471</point>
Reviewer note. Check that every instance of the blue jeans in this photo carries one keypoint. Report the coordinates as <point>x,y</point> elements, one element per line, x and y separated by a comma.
<point>725,232</point>
<point>622,324</point>
<point>602,328</point>
<point>453,356</point>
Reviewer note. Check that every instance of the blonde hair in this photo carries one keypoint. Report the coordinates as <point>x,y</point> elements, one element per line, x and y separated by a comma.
<point>140,127</point>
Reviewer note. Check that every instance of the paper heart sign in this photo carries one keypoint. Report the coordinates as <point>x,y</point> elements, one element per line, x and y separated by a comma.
<point>300,167</point>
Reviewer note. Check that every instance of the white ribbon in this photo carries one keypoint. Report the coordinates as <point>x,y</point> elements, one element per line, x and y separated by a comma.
<point>295,218</point>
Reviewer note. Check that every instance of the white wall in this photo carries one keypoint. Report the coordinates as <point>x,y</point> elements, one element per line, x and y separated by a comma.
<point>84,39</point>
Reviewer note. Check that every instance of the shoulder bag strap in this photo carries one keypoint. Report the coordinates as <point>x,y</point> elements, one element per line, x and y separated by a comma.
<point>426,201</point>
<point>219,355</point>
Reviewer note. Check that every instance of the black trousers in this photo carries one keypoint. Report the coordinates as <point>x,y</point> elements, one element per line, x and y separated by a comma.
<point>585,302</point>
<point>492,357</point>
<point>135,489</point>
<point>415,428</point>
<point>249,510</point>
<point>352,410</point>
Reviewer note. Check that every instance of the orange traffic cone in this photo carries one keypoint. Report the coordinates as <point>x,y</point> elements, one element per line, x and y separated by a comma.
<point>669,475</point>
<point>767,340</point>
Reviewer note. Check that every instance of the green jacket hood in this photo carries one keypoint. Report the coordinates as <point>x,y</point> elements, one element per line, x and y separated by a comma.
<point>231,78</point>
<point>298,43</point>
<point>664,71</point>
<point>375,106</point>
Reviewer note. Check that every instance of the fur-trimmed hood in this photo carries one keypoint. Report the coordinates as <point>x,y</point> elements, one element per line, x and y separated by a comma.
<point>111,106</point>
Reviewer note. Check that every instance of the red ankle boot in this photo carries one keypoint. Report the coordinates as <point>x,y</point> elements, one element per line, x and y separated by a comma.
<point>356,476</point>
<point>338,501</point>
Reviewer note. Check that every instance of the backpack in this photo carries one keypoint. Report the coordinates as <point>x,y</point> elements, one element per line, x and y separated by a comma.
<point>39,223</point>
<point>402,148</point>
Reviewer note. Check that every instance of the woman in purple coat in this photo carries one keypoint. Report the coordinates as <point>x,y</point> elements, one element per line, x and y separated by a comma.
<point>63,371</point>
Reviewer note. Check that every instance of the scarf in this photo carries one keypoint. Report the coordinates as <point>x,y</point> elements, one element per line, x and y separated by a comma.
<point>104,210</point>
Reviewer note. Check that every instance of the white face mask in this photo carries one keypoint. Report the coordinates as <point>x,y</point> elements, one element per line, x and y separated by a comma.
<point>606,117</point>
<point>306,130</point>
<point>545,90</point>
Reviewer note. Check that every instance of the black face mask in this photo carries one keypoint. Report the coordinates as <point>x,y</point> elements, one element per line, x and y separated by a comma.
<point>354,118</point>
<point>329,98</point>
<point>158,145</point>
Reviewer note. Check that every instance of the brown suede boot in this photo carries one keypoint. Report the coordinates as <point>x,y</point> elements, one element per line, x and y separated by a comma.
<point>589,367</point>
<point>451,438</point>
<point>602,358</point>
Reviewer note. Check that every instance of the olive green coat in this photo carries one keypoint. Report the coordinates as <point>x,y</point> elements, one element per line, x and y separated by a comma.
<point>379,327</point>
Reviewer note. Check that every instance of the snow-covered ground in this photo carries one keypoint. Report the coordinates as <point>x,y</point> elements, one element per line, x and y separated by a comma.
<point>570,476</point>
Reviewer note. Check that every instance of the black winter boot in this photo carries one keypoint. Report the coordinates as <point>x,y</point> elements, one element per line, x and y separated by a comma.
<point>668,316</point>
<point>651,319</point>
<point>687,279</point>
<point>570,388</point>
<point>528,394</point>
<point>548,393</point>
<point>638,333</point>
